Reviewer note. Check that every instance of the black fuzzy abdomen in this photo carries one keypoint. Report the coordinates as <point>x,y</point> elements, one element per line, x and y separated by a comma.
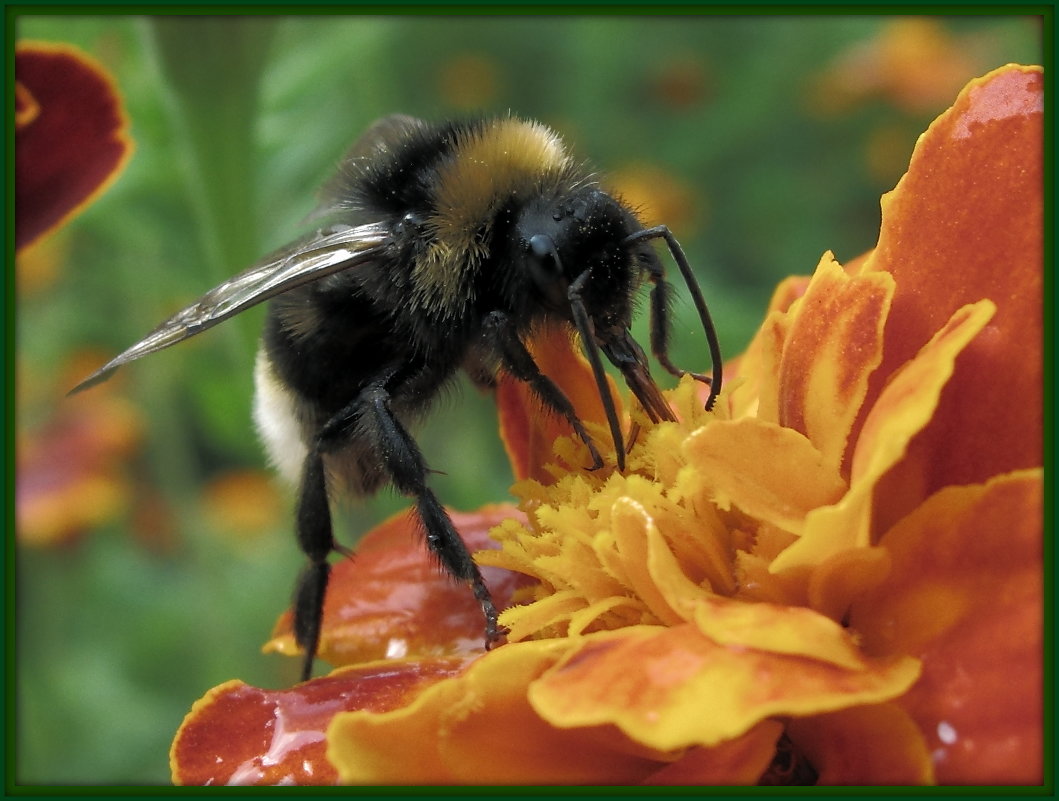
<point>331,363</point>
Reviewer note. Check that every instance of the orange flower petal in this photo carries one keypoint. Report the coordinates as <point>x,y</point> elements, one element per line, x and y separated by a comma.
<point>741,761</point>
<point>873,744</point>
<point>839,579</point>
<point>393,600</point>
<point>833,345</point>
<point>479,729</point>
<point>73,146</point>
<point>966,595</point>
<point>757,367</point>
<point>748,463</point>
<point>966,223</point>
<point>237,734</point>
<point>528,431</point>
<point>901,411</point>
<point>670,688</point>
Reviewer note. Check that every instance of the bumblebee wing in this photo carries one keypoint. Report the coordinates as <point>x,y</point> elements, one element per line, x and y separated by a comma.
<point>327,252</point>
<point>383,135</point>
<point>381,138</point>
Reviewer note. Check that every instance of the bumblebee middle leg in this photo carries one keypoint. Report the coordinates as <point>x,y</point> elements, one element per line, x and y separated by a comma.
<point>370,423</point>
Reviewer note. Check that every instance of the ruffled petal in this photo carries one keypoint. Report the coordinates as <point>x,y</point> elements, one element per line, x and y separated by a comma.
<point>906,405</point>
<point>480,729</point>
<point>392,599</point>
<point>748,464</point>
<point>833,346</point>
<point>756,367</point>
<point>671,687</point>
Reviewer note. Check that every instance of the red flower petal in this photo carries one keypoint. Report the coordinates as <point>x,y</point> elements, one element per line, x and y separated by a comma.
<point>393,600</point>
<point>239,734</point>
<point>74,144</point>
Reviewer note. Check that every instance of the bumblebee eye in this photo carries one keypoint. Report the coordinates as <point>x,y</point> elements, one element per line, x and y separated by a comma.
<point>542,249</point>
<point>545,268</point>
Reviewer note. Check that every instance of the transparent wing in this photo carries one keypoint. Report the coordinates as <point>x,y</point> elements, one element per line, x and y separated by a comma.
<point>320,255</point>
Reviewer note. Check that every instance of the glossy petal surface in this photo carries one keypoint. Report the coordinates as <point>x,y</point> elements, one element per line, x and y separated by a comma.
<point>239,734</point>
<point>392,599</point>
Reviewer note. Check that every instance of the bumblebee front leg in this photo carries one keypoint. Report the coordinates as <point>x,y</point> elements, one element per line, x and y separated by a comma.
<point>503,339</point>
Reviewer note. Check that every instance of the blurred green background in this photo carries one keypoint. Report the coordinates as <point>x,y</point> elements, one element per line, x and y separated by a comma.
<point>154,550</point>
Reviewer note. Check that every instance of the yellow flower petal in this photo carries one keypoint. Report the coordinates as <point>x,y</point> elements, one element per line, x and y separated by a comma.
<point>790,630</point>
<point>671,687</point>
<point>749,464</point>
<point>833,345</point>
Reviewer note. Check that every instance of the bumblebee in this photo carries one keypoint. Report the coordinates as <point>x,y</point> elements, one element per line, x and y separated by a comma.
<point>446,246</point>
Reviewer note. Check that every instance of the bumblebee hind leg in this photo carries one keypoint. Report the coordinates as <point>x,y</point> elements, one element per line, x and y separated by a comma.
<point>316,540</point>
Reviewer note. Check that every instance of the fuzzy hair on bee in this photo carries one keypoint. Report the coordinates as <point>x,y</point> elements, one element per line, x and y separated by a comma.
<point>446,246</point>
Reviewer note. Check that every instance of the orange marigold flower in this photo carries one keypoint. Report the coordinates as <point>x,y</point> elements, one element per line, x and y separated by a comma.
<point>833,578</point>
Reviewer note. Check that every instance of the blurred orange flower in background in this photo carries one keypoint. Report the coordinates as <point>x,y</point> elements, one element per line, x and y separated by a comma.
<point>834,578</point>
<point>71,142</point>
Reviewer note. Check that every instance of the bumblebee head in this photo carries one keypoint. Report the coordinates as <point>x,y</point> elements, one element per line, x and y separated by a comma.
<point>578,237</point>
<point>579,263</point>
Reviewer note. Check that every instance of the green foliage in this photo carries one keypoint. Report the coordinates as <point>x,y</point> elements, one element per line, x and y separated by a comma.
<point>237,120</point>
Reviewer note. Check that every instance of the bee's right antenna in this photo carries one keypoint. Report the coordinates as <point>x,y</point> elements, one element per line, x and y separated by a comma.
<point>659,333</point>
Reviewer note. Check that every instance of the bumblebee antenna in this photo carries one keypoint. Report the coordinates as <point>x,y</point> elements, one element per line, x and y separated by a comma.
<point>663,232</point>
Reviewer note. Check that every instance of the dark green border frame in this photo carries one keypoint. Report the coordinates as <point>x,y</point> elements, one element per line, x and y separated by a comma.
<point>490,7</point>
